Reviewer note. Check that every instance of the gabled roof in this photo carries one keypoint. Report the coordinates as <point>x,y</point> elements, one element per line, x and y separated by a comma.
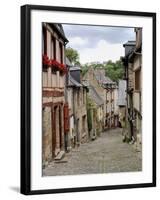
<point>95,96</point>
<point>101,78</point>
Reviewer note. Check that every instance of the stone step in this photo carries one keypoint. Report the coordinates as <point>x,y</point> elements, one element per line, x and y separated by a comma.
<point>60,155</point>
<point>60,161</point>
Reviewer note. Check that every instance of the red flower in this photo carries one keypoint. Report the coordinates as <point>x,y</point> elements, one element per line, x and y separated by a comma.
<point>54,64</point>
<point>63,69</point>
<point>46,60</point>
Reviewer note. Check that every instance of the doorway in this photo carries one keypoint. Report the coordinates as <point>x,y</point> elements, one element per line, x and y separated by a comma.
<point>54,127</point>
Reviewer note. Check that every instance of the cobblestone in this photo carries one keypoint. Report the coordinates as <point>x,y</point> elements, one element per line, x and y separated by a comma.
<point>107,154</point>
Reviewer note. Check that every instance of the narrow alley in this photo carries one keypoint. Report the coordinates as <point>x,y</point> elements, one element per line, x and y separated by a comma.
<point>106,154</point>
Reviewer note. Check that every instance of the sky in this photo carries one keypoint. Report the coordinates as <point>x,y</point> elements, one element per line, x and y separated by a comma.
<point>98,43</point>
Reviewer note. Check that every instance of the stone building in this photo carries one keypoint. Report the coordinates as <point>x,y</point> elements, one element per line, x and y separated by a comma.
<point>76,95</point>
<point>53,78</point>
<point>110,98</point>
<point>112,104</point>
<point>95,111</point>
<point>137,92</point>
<point>133,69</point>
<point>108,92</point>
<point>98,94</point>
<point>129,48</point>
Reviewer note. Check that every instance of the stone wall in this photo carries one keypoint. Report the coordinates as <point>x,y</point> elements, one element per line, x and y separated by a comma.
<point>81,111</point>
<point>137,100</point>
<point>46,135</point>
<point>130,76</point>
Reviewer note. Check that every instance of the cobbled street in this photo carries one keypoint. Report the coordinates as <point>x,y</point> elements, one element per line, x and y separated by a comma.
<point>106,154</point>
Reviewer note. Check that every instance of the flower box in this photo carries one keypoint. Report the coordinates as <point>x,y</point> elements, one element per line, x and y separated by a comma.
<point>54,64</point>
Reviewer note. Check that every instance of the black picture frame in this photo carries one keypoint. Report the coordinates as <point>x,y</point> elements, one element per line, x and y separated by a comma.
<point>26,98</point>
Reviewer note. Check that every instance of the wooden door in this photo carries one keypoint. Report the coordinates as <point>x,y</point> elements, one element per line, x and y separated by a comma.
<point>53,131</point>
<point>60,126</point>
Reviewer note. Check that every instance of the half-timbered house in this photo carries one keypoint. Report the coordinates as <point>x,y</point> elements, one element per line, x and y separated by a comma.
<point>54,107</point>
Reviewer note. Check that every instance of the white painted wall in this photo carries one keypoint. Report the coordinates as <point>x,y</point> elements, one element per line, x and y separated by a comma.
<point>54,80</point>
<point>44,79</point>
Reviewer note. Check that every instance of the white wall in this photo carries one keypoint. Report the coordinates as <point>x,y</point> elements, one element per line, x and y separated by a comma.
<point>10,103</point>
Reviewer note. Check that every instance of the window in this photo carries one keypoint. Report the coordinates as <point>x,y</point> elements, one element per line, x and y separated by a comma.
<point>53,48</point>
<point>53,51</point>
<point>44,45</point>
<point>137,80</point>
<point>61,52</point>
<point>44,42</point>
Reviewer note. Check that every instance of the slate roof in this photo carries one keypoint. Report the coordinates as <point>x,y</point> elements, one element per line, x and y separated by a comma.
<point>104,80</point>
<point>74,73</point>
<point>75,68</point>
<point>95,96</point>
<point>59,29</point>
<point>101,78</point>
<point>73,82</point>
<point>129,47</point>
<point>130,43</point>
